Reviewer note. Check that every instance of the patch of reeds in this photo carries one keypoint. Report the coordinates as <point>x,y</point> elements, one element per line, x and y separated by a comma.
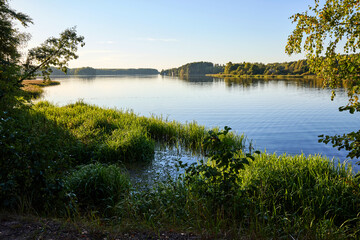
<point>112,135</point>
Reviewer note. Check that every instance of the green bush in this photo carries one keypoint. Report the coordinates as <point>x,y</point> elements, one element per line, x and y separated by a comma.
<point>98,187</point>
<point>34,154</point>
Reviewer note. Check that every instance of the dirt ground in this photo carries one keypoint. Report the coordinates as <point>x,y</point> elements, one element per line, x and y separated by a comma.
<point>22,228</point>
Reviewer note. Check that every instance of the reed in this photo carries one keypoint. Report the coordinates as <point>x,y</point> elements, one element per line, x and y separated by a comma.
<point>113,135</point>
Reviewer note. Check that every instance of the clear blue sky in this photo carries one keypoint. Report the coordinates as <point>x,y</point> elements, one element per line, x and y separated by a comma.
<point>163,34</point>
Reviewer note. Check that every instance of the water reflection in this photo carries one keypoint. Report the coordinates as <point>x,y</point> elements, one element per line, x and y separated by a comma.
<point>307,82</point>
<point>248,82</point>
<point>162,168</point>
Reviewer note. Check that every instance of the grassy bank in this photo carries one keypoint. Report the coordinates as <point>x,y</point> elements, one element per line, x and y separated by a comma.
<point>39,145</point>
<point>220,75</point>
<point>68,162</point>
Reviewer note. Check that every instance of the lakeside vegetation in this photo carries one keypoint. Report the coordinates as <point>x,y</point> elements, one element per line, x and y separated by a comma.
<point>33,88</point>
<point>70,163</point>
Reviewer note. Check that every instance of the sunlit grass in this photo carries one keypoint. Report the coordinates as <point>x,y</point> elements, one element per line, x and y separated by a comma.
<point>278,197</point>
<point>114,135</point>
<point>50,164</point>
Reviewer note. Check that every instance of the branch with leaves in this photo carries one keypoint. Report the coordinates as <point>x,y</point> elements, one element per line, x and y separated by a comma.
<point>53,52</point>
<point>330,37</point>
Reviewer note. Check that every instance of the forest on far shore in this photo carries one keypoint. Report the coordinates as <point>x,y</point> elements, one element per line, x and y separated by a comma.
<point>299,67</point>
<point>105,71</point>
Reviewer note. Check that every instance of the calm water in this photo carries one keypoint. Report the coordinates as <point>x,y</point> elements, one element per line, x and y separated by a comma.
<point>278,115</point>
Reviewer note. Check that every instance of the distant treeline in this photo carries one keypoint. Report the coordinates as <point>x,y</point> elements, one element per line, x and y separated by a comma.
<point>101,71</point>
<point>287,68</point>
<point>195,68</point>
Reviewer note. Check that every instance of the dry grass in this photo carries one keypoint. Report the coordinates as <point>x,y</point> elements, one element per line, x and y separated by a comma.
<point>33,88</point>
<point>40,83</point>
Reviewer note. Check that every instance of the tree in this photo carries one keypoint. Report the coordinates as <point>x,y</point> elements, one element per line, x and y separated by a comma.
<point>10,41</point>
<point>55,52</point>
<point>330,37</point>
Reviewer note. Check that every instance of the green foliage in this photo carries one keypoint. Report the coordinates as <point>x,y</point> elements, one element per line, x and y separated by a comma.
<point>34,153</point>
<point>108,135</point>
<point>112,136</point>
<point>130,71</point>
<point>84,71</point>
<point>38,145</point>
<point>299,67</point>
<point>195,68</point>
<point>270,196</point>
<point>296,193</point>
<point>320,33</point>
<point>10,41</point>
<point>350,142</point>
<point>276,197</point>
<point>53,52</point>
<point>98,187</point>
<point>218,178</point>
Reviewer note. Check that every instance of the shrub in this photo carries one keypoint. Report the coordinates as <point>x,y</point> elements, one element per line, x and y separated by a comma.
<point>34,154</point>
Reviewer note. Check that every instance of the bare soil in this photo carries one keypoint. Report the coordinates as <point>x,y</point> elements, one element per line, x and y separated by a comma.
<point>26,228</point>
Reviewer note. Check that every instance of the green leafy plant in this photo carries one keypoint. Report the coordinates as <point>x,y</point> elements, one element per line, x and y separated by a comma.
<point>320,32</point>
<point>219,176</point>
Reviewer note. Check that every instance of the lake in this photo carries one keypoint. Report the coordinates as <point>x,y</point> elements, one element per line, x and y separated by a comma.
<point>282,115</point>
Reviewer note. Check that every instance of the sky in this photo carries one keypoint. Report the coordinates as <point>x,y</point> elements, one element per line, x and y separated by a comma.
<point>163,34</point>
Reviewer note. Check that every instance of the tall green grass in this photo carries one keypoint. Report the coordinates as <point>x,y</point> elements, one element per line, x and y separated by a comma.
<point>50,155</point>
<point>40,144</point>
<point>112,135</point>
<point>98,187</point>
<point>297,195</point>
<point>290,197</point>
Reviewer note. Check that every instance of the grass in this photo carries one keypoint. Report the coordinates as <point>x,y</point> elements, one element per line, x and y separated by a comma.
<point>40,83</point>
<point>98,187</point>
<point>69,162</point>
<point>122,136</point>
<point>278,197</point>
